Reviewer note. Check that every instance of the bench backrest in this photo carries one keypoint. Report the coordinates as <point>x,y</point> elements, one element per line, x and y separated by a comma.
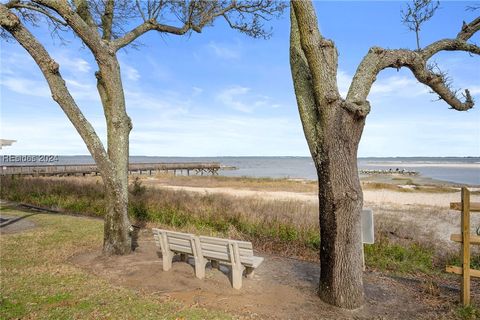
<point>223,249</point>
<point>180,242</point>
<point>174,241</point>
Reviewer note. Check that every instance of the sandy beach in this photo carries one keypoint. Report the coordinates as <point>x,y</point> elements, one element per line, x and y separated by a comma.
<point>377,197</point>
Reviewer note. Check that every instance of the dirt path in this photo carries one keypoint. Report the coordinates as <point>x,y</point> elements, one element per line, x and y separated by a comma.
<point>281,288</point>
<point>13,224</point>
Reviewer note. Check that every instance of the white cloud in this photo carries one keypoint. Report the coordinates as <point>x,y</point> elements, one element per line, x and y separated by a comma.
<point>474,90</point>
<point>197,91</point>
<point>230,97</point>
<point>343,81</point>
<point>398,85</point>
<point>130,72</point>
<point>70,63</point>
<point>26,86</point>
<point>223,51</point>
<point>239,98</point>
<point>385,86</point>
<point>82,89</point>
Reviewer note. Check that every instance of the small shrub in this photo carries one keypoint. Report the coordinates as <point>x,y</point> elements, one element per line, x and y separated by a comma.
<point>404,259</point>
<point>468,313</point>
<point>137,189</point>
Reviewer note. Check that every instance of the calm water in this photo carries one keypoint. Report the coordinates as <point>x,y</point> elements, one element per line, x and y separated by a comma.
<point>458,170</point>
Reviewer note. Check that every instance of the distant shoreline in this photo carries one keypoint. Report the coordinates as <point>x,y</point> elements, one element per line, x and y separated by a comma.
<point>426,165</point>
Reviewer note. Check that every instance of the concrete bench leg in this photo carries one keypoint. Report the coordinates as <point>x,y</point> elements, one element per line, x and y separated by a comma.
<point>200,265</point>
<point>167,258</point>
<point>237,273</point>
<point>167,255</point>
<point>249,272</point>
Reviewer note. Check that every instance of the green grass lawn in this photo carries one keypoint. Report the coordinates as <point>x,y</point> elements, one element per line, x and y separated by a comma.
<point>37,282</point>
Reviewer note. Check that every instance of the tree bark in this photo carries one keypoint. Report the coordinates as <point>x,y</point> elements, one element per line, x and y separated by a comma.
<point>340,204</point>
<point>117,233</point>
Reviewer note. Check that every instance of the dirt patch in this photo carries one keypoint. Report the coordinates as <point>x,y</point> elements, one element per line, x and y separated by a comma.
<point>282,288</point>
<point>11,224</point>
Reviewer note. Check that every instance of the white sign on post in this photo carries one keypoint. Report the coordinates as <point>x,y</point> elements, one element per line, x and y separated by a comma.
<point>368,234</point>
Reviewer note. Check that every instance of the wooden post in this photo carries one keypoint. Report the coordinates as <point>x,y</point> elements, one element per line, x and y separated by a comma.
<point>465,206</point>
<point>465,246</point>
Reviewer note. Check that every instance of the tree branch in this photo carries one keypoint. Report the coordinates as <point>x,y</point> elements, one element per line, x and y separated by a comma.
<point>107,20</point>
<point>198,14</point>
<point>302,82</point>
<point>34,7</point>
<point>378,59</point>
<point>468,30</point>
<point>83,11</point>
<point>76,20</point>
<point>320,53</point>
<point>449,45</point>
<point>149,25</point>
<point>60,93</point>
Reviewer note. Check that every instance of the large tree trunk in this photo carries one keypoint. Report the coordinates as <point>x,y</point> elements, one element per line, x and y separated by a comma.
<point>340,204</point>
<point>333,128</point>
<point>117,237</point>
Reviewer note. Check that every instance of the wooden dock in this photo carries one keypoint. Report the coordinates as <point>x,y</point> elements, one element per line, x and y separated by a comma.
<point>197,168</point>
<point>388,171</point>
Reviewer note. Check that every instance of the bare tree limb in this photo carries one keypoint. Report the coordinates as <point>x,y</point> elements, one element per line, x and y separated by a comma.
<point>107,20</point>
<point>60,93</point>
<point>325,83</point>
<point>87,32</point>
<point>83,11</point>
<point>468,30</point>
<point>149,25</point>
<point>31,6</point>
<point>449,45</point>
<point>303,86</point>
<point>378,59</point>
<point>189,24</point>
<point>197,14</point>
<point>417,13</point>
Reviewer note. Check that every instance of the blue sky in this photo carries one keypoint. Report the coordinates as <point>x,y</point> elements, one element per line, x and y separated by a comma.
<point>220,93</point>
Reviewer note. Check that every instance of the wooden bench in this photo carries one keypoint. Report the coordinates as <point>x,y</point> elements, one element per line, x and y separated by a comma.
<point>237,254</point>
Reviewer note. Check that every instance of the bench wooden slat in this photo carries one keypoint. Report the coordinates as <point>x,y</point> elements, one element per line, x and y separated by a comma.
<point>220,241</point>
<point>180,249</point>
<point>224,249</point>
<point>179,235</point>
<point>216,255</point>
<point>180,242</point>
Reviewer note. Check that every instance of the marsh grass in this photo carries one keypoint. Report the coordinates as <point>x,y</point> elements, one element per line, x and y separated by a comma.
<point>288,228</point>
<point>39,283</point>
